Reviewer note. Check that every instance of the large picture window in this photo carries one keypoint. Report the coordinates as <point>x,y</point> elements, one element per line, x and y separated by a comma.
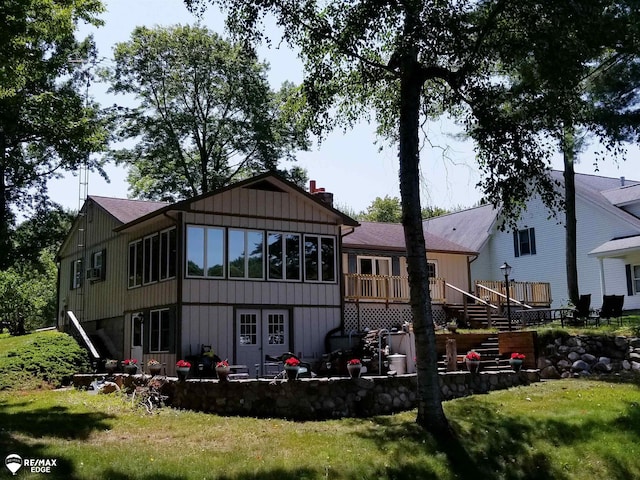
<point>283,256</point>
<point>319,258</point>
<point>160,331</point>
<point>205,252</point>
<point>524,242</point>
<point>246,254</point>
<point>76,274</point>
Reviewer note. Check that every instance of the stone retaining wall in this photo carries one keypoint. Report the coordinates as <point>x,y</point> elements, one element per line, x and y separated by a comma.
<point>319,398</point>
<point>568,356</point>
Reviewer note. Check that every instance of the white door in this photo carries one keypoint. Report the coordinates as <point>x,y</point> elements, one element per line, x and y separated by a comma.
<point>137,336</point>
<point>260,333</point>
<point>374,286</point>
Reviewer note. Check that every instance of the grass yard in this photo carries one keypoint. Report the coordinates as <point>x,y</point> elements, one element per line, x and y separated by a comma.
<point>569,429</point>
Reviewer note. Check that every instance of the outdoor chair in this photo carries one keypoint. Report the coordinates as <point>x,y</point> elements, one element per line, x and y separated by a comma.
<point>611,308</point>
<point>580,314</point>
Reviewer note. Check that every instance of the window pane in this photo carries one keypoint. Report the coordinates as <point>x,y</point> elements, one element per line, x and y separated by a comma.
<point>164,330</point>
<point>154,344</point>
<point>275,326</point>
<point>275,255</point>
<point>215,252</point>
<point>311,258</point>
<point>255,244</point>
<point>328,260</point>
<point>293,257</point>
<point>236,253</point>
<point>525,245</point>
<point>172,253</point>
<point>139,262</point>
<point>154,256</point>
<point>163,255</point>
<point>248,329</point>
<point>195,251</point>
<point>366,266</point>
<point>147,259</point>
<point>132,265</point>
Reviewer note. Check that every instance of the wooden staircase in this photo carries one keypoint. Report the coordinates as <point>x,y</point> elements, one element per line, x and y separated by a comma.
<point>489,357</point>
<point>476,317</point>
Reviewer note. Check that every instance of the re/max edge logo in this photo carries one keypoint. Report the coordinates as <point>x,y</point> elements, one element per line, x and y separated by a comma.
<point>15,462</point>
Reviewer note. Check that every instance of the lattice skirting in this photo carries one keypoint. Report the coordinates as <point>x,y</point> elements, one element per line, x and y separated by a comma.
<point>378,315</point>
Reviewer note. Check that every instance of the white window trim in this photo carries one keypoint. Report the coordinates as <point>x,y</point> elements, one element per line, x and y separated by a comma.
<point>151,312</point>
<point>284,256</point>
<point>374,258</point>
<point>335,254</point>
<point>246,232</point>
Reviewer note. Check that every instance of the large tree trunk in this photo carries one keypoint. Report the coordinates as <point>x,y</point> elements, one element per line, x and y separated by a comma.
<point>430,413</point>
<point>5,245</point>
<point>568,151</point>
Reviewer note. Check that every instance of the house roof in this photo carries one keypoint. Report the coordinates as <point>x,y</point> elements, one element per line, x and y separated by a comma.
<point>617,247</point>
<point>623,195</point>
<point>125,210</point>
<point>390,236</point>
<point>470,228</point>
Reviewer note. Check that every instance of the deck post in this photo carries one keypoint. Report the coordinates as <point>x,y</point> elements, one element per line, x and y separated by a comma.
<point>451,355</point>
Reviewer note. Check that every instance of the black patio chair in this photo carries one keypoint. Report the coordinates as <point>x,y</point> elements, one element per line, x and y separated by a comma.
<point>580,314</point>
<point>612,308</point>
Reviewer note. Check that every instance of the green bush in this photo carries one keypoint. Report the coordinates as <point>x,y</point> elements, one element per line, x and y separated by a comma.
<point>42,358</point>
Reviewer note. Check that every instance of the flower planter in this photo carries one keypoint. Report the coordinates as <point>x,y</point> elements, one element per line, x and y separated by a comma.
<point>223,373</point>
<point>110,368</point>
<point>354,370</point>
<point>515,364</point>
<point>473,365</point>
<point>292,372</point>
<point>183,373</point>
<point>131,369</point>
<point>155,369</point>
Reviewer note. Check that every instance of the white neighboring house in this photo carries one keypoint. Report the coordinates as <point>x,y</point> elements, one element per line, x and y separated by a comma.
<point>608,241</point>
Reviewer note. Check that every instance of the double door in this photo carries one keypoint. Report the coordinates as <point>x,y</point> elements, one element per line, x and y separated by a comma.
<point>261,332</point>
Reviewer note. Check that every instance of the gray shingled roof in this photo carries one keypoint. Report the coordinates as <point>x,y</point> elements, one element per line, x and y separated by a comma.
<point>390,236</point>
<point>623,195</point>
<point>125,210</point>
<point>618,246</point>
<point>470,228</point>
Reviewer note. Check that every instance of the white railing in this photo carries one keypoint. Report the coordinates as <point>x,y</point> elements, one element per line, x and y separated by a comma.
<point>89,344</point>
<point>387,288</point>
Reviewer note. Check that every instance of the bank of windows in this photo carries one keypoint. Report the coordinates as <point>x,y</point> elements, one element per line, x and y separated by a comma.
<point>152,258</point>
<point>636,279</point>
<point>259,255</point>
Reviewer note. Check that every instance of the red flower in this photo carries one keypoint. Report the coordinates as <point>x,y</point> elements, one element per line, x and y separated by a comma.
<point>354,361</point>
<point>292,362</point>
<point>130,361</point>
<point>183,363</point>
<point>223,363</point>
<point>474,356</point>
<point>517,356</point>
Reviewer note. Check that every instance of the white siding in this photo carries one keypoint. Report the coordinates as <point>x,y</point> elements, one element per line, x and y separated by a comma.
<point>594,227</point>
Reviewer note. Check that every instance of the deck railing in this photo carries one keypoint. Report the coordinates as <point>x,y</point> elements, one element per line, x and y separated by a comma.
<point>529,293</point>
<point>386,288</point>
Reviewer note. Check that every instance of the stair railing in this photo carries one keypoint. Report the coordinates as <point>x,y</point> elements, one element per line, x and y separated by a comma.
<point>502,295</point>
<point>465,301</point>
<point>85,338</point>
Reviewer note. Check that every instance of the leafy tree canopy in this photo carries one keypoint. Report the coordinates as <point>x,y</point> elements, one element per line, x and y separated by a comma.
<point>206,115</point>
<point>47,125</point>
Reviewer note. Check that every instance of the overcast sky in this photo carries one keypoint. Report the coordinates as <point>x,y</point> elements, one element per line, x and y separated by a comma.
<point>348,164</point>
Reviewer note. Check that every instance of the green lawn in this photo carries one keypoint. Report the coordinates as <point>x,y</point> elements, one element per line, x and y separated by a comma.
<point>570,429</point>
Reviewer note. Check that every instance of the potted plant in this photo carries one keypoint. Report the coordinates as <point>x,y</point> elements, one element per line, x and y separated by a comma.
<point>154,366</point>
<point>292,367</point>
<point>472,359</point>
<point>222,370</point>
<point>182,369</point>
<point>110,365</point>
<point>516,361</point>
<point>452,326</point>
<point>130,366</point>
<point>354,367</point>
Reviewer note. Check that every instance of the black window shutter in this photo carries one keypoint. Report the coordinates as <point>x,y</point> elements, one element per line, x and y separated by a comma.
<point>629,280</point>
<point>516,243</point>
<point>71,274</point>
<point>532,240</point>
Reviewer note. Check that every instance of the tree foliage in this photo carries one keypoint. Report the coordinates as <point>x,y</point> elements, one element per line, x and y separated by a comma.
<point>410,59</point>
<point>46,123</point>
<point>206,115</point>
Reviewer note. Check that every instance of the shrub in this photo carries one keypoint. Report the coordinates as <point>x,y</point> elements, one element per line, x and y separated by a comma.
<point>49,358</point>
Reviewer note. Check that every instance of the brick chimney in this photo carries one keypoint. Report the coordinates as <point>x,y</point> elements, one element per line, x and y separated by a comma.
<point>326,197</point>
